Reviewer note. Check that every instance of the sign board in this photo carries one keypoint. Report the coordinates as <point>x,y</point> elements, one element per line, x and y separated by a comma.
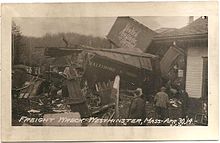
<point>128,33</point>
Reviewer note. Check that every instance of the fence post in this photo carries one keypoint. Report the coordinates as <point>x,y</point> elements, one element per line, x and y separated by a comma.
<point>116,88</point>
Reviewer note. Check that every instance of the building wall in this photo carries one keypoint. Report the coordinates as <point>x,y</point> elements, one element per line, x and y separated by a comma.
<point>194,70</point>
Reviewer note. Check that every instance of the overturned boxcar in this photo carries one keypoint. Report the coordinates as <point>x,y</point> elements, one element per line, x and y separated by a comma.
<point>136,69</point>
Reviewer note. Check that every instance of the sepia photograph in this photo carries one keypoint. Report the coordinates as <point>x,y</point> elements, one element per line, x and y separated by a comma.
<point>110,71</point>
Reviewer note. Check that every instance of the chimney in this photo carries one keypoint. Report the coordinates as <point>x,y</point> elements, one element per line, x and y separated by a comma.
<point>191,19</point>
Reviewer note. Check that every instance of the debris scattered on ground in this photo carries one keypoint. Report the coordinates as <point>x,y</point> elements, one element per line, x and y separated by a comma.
<point>175,102</point>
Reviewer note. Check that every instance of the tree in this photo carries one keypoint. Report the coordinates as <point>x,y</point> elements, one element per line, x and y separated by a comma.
<point>17,46</point>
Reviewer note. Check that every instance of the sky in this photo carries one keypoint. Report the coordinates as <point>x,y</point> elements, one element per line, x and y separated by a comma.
<point>96,26</point>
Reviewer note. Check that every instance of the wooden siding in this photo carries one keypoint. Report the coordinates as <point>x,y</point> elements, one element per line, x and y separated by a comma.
<point>194,71</point>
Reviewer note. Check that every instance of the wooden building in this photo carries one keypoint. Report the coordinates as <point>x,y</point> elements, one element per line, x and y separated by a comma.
<point>193,41</point>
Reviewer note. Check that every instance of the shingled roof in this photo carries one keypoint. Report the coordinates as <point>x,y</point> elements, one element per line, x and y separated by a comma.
<point>196,28</point>
<point>164,30</point>
<point>194,34</point>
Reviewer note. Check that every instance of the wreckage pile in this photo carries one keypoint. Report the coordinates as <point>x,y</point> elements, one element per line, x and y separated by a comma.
<point>41,96</point>
<point>47,102</point>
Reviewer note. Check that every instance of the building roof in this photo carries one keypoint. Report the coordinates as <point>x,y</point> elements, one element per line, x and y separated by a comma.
<point>164,29</point>
<point>194,34</point>
<point>196,28</point>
